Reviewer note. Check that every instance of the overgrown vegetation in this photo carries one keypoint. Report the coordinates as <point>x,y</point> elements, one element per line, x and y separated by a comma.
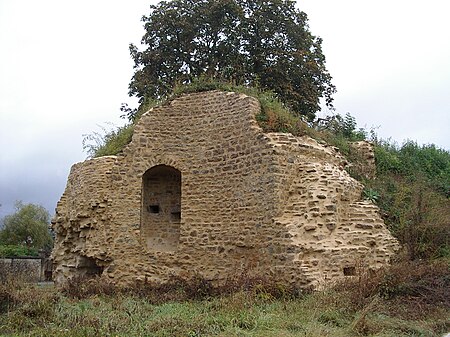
<point>17,250</point>
<point>112,141</point>
<point>108,143</point>
<point>408,299</point>
<point>413,184</point>
<point>274,116</point>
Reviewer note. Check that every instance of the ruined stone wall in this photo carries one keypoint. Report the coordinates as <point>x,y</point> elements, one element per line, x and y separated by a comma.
<point>81,222</point>
<point>29,269</point>
<point>365,165</point>
<point>201,189</point>
<point>332,229</point>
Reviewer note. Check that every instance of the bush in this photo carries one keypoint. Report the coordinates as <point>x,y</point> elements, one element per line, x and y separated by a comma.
<point>415,162</point>
<point>413,183</point>
<point>17,251</point>
<point>386,159</point>
<point>14,287</point>
<point>84,286</point>
<point>24,306</point>
<point>108,143</point>
<point>182,288</point>
<point>7,296</point>
<point>344,127</point>
<point>414,282</point>
<point>424,281</point>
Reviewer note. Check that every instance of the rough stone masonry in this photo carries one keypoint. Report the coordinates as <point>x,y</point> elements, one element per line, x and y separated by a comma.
<point>201,189</point>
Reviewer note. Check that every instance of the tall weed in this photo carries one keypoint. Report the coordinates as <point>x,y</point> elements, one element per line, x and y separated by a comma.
<point>415,282</point>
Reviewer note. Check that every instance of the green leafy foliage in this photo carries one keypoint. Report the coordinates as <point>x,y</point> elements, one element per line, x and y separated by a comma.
<point>413,183</point>
<point>342,127</point>
<point>28,225</point>
<point>387,159</point>
<point>370,194</point>
<point>265,44</point>
<point>416,162</point>
<point>17,251</point>
<point>340,132</point>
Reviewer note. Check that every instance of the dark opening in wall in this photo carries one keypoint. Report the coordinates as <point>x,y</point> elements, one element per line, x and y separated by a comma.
<point>349,271</point>
<point>161,195</point>
<point>176,216</point>
<point>89,266</point>
<point>153,209</point>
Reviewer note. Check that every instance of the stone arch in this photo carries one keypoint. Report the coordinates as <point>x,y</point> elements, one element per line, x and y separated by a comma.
<point>161,208</point>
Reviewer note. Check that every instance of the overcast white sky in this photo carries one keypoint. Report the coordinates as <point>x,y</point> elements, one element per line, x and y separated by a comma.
<point>65,69</point>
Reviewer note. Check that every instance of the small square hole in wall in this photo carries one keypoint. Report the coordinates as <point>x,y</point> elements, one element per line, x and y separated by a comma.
<point>349,271</point>
<point>176,216</point>
<point>153,209</point>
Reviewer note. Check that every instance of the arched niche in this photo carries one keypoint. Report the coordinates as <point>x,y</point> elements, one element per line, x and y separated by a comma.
<point>161,208</point>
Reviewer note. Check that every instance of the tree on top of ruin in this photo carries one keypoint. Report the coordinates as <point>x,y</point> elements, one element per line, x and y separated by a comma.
<point>261,43</point>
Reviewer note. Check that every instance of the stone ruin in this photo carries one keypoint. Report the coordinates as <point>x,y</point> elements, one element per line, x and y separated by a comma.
<point>201,189</point>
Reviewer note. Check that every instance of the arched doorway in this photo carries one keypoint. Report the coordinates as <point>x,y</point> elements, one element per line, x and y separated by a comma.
<point>161,208</point>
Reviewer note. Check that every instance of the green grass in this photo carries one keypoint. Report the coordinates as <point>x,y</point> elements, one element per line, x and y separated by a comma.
<point>317,314</point>
<point>354,308</point>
